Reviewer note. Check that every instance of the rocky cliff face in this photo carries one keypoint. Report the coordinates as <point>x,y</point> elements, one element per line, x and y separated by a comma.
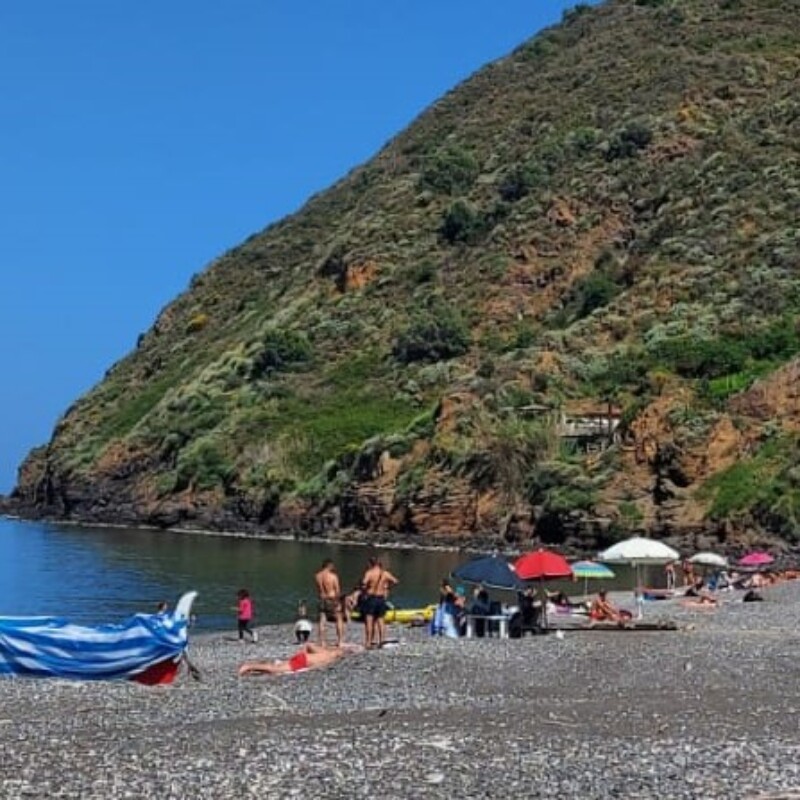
<point>562,305</point>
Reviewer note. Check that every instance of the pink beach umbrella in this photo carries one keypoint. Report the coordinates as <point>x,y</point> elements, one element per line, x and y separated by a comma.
<point>757,558</point>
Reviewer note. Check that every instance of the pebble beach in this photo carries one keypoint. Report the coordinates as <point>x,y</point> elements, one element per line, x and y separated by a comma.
<point>708,711</point>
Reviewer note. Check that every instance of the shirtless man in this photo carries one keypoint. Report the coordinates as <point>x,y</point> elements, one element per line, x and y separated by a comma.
<point>310,656</point>
<point>377,583</point>
<point>329,603</point>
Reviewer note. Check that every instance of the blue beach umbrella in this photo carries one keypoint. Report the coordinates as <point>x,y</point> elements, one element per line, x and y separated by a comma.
<point>591,570</point>
<point>493,572</point>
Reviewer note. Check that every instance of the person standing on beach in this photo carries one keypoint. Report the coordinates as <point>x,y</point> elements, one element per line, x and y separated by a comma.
<point>377,582</point>
<point>329,606</point>
<point>669,570</point>
<point>688,573</point>
<point>244,616</point>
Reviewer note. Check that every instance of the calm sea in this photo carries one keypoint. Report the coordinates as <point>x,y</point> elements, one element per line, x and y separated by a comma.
<point>104,574</point>
<point>92,575</point>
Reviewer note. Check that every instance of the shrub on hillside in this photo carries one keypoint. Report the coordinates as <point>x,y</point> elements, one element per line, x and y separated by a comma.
<point>197,322</point>
<point>571,14</point>
<point>628,368</point>
<point>730,353</point>
<point>559,488</point>
<point>280,350</point>
<point>422,272</point>
<point>451,171</point>
<point>334,265</point>
<point>701,358</point>
<point>461,224</point>
<point>594,290</point>
<point>628,141</point>
<point>432,335</point>
<point>202,466</point>
<point>520,181</point>
<point>779,341</point>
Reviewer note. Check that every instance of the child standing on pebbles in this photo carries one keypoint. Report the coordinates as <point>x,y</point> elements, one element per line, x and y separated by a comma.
<point>302,628</point>
<point>245,613</point>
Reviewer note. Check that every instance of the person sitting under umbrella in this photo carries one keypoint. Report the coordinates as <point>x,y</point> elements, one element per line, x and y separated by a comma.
<point>603,610</point>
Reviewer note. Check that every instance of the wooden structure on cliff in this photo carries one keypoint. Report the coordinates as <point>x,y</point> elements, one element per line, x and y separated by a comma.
<point>591,429</point>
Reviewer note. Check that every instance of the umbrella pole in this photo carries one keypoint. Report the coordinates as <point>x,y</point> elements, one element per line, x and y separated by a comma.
<point>637,593</point>
<point>543,600</point>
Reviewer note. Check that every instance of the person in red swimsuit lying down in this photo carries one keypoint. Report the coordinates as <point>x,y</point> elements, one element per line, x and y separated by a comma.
<point>311,656</point>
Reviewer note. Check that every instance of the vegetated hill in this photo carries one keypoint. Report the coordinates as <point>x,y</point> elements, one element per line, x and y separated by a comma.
<point>598,231</point>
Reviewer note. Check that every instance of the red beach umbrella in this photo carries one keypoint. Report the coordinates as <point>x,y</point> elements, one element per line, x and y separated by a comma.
<point>542,565</point>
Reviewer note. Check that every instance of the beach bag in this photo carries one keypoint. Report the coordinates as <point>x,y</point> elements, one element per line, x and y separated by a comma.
<point>444,621</point>
<point>437,623</point>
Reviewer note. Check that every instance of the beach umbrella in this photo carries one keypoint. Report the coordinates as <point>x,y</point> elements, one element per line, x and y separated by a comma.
<point>707,559</point>
<point>541,565</point>
<point>756,558</point>
<point>638,551</point>
<point>493,572</point>
<point>591,570</point>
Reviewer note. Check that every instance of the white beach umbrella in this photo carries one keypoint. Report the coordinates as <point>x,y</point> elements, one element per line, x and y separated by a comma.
<point>707,559</point>
<point>636,551</point>
<point>639,550</point>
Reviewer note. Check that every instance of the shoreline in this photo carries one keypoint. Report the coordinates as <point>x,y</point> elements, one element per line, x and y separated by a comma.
<point>709,711</point>
<point>272,537</point>
<point>684,540</point>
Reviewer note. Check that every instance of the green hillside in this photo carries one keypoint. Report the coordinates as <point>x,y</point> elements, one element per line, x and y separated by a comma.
<point>600,229</point>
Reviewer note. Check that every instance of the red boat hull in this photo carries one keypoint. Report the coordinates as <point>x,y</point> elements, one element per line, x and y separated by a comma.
<point>159,674</point>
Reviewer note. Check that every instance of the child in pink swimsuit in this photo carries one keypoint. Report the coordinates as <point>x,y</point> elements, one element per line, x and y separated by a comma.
<point>245,613</point>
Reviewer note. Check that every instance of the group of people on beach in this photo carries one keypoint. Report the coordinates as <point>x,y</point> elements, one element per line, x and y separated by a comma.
<point>704,590</point>
<point>369,599</point>
<point>699,591</point>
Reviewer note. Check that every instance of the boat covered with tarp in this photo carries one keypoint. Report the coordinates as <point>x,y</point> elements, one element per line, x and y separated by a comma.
<point>146,647</point>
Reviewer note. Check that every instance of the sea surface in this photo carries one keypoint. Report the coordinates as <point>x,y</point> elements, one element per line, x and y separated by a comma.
<point>93,574</point>
<point>96,574</point>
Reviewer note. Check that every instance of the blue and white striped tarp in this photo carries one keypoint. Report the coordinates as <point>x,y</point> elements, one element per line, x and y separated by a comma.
<point>54,647</point>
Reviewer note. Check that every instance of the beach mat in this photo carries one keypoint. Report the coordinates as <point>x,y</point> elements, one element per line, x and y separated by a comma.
<point>666,625</point>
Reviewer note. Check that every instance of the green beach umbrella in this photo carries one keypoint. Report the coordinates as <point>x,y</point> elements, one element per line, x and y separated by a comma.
<point>591,570</point>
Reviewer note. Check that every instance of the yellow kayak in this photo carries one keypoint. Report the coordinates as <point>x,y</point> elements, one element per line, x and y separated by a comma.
<point>405,616</point>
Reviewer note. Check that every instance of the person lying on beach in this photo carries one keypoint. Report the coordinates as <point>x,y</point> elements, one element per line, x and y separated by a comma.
<point>700,596</point>
<point>311,656</point>
<point>703,603</point>
<point>558,599</point>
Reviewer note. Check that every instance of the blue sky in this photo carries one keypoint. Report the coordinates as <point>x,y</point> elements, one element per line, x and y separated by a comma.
<point>140,140</point>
